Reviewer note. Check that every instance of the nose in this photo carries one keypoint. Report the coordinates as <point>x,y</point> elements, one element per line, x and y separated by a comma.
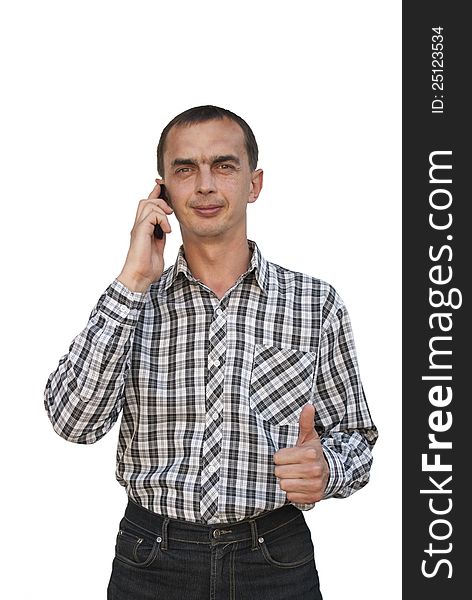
<point>205,182</point>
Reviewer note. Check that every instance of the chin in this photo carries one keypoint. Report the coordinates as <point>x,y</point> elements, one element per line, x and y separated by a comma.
<point>209,230</point>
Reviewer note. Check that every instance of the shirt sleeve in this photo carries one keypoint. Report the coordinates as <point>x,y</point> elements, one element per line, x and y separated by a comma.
<point>84,395</point>
<point>342,418</point>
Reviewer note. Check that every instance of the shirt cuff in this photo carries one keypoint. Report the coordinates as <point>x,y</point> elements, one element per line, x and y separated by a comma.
<point>337,476</point>
<point>121,304</point>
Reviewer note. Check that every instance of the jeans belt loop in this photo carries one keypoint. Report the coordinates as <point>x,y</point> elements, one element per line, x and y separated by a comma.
<point>165,525</point>
<point>253,534</point>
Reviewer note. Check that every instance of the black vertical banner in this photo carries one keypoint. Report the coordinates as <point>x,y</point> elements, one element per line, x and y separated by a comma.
<point>437,267</point>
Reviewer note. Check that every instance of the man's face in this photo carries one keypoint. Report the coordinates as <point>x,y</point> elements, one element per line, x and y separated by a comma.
<point>208,179</point>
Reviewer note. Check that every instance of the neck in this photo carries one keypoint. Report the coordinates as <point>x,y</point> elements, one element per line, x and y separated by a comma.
<point>218,264</point>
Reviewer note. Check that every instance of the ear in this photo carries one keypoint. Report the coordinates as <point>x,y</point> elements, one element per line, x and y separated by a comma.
<point>256,185</point>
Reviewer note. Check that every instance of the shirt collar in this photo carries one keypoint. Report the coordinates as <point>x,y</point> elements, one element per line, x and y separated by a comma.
<point>258,264</point>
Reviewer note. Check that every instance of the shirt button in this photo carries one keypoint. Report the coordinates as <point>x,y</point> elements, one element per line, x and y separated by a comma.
<point>123,310</point>
<point>212,468</point>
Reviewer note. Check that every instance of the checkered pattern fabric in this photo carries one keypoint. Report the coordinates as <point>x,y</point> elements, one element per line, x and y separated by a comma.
<point>210,388</point>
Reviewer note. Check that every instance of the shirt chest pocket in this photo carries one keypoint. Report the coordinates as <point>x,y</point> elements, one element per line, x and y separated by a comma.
<point>281,383</point>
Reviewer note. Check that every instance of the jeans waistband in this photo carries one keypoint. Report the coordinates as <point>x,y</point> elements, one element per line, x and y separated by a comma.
<point>249,529</point>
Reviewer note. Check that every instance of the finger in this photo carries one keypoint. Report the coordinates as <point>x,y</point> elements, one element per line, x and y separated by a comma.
<point>306,425</point>
<point>304,498</point>
<point>299,486</point>
<point>145,205</point>
<point>158,202</point>
<point>296,455</point>
<point>156,191</point>
<point>299,471</point>
<point>155,216</point>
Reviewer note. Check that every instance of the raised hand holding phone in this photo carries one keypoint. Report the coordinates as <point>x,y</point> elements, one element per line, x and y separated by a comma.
<point>145,259</point>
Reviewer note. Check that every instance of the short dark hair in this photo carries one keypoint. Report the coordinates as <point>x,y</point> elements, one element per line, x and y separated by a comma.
<point>201,114</point>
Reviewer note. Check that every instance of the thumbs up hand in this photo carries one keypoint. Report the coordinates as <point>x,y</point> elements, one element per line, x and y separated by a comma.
<point>303,471</point>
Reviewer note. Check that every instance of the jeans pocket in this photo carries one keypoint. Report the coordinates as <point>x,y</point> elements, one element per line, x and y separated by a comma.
<point>281,383</point>
<point>136,547</point>
<point>288,547</point>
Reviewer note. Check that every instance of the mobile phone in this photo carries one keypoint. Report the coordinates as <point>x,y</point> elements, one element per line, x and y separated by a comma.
<point>158,233</point>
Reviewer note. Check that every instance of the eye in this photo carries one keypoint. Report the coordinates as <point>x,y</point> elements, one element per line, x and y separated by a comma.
<point>225,166</point>
<point>183,170</point>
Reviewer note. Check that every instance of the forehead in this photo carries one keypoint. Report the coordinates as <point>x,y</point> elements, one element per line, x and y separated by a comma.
<point>217,137</point>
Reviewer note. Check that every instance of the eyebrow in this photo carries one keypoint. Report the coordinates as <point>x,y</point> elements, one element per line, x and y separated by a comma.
<point>226,158</point>
<point>214,160</point>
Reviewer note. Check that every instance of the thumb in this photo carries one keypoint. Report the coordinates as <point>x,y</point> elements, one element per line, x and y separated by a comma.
<point>306,425</point>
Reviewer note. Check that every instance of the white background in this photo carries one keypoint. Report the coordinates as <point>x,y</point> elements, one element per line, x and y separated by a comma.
<point>87,88</point>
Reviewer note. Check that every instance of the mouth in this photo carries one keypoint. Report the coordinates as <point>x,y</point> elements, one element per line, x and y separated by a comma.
<point>207,211</point>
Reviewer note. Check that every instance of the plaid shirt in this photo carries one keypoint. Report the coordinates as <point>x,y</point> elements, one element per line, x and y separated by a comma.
<point>210,388</point>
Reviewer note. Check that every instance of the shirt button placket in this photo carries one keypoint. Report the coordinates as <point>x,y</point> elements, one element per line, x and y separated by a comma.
<point>214,409</point>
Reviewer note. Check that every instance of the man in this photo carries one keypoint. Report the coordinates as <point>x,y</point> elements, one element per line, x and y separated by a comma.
<point>241,398</point>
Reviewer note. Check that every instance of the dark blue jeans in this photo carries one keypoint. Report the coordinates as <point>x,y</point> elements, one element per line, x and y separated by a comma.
<point>267,558</point>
